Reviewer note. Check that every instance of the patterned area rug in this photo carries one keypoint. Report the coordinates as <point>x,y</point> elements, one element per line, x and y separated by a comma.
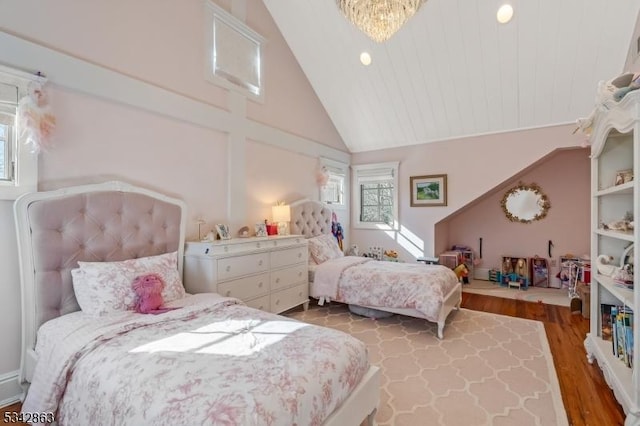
<point>489,369</point>
<point>551,296</point>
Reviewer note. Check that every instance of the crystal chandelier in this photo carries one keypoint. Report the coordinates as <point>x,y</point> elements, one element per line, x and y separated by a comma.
<point>379,19</point>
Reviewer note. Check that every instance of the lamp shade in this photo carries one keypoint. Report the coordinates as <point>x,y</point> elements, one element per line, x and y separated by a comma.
<point>281,213</point>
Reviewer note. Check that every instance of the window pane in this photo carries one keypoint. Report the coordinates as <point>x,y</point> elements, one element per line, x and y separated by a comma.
<point>3,167</point>
<point>377,202</point>
<point>370,214</point>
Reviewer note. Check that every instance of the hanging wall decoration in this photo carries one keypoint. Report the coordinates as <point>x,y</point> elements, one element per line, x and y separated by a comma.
<point>35,118</point>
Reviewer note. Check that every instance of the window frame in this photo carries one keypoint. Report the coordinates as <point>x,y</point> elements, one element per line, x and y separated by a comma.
<point>357,178</point>
<point>215,15</point>
<point>337,172</point>
<point>23,161</point>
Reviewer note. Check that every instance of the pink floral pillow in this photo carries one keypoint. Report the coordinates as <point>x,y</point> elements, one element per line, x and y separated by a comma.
<point>105,287</point>
<point>324,247</point>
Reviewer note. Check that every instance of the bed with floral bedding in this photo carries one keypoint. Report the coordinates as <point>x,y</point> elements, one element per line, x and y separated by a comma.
<point>430,292</point>
<point>90,358</point>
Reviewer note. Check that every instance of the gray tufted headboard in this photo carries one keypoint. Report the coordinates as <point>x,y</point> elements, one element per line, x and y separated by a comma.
<point>104,222</point>
<point>310,218</point>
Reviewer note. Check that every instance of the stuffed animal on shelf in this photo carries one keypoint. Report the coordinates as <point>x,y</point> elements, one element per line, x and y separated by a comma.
<point>148,289</point>
<point>603,267</point>
<point>632,85</point>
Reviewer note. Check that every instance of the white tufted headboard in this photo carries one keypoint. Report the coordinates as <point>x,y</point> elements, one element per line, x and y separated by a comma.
<point>104,222</point>
<point>310,218</point>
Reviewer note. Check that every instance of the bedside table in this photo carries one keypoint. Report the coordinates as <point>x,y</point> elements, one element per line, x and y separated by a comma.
<point>268,273</point>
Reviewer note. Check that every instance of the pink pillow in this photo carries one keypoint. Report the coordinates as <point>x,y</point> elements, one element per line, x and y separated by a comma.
<point>102,288</point>
<point>324,247</point>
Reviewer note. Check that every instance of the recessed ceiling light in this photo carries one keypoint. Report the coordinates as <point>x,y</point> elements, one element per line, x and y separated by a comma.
<point>365,58</point>
<point>505,13</point>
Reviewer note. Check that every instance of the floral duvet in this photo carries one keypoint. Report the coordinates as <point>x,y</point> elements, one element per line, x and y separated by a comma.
<point>213,361</point>
<point>367,282</point>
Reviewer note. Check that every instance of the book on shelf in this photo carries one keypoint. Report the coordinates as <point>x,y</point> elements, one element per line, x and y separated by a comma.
<point>617,326</point>
<point>605,322</point>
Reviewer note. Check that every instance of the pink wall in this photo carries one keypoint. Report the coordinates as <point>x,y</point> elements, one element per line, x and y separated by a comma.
<point>474,166</point>
<point>168,51</point>
<point>268,183</point>
<point>565,178</point>
<point>98,140</point>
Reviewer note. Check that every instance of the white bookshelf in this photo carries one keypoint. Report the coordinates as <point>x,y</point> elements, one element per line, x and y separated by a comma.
<point>614,147</point>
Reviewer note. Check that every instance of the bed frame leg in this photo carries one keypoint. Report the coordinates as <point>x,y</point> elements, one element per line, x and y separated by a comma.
<point>441,330</point>
<point>371,418</point>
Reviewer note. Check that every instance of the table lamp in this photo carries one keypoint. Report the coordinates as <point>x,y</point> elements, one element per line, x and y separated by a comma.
<point>282,216</point>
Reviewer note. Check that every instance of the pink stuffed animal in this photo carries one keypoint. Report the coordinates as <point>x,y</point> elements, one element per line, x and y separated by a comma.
<point>148,288</point>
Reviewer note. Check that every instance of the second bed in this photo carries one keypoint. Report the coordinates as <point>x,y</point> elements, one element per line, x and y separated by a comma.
<point>430,292</point>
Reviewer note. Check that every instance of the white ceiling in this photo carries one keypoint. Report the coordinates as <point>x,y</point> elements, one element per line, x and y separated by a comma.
<point>453,71</point>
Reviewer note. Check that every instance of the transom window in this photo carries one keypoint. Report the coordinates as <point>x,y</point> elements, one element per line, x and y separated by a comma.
<point>376,195</point>
<point>18,165</point>
<point>333,192</point>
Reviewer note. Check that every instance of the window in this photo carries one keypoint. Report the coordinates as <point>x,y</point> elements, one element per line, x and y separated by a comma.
<point>334,191</point>
<point>234,53</point>
<point>376,195</point>
<point>18,165</point>
<point>8,105</point>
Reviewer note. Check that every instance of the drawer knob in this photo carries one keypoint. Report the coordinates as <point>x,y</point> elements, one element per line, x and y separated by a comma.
<point>275,243</point>
<point>260,285</point>
<point>300,294</point>
<point>277,280</point>
<point>228,268</point>
<point>260,262</point>
<point>299,255</point>
<point>228,293</point>
<point>258,245</point>
<point>261,307</point>
<point>226,248</point>
<point>278,302</point>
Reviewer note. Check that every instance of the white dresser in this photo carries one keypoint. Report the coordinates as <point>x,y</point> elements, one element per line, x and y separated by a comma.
<point>268,273</point>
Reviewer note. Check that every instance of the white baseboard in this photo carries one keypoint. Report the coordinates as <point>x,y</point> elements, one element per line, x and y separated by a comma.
<point>10,389</point>
<point>481,274</point>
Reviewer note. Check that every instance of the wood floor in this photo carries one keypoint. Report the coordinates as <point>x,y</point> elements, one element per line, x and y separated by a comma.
<point>587,398</point>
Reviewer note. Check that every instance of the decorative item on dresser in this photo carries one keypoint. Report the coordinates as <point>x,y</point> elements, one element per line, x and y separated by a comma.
<point>266,273</point>
<point>615,146</point>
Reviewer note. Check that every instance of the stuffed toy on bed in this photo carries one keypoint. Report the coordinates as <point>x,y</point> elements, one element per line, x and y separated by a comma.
<point>148,289</point>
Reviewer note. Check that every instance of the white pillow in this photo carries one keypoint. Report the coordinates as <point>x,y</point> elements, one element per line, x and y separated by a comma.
<point>324,247</point>
<point>105,287</point>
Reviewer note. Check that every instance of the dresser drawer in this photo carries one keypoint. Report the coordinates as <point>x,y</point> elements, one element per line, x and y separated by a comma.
<point>263,303</point>
<point>233,267</point>
<point>245,288</point>
<point>286,277</point>
<point>289,297</point>
<point>290,256</point>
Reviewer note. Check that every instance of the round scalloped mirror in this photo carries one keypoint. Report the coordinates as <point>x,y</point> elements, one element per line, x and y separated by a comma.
<point>525,203</point>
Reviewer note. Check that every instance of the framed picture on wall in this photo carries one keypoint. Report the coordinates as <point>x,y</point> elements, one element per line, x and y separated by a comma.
<point>427,191</point>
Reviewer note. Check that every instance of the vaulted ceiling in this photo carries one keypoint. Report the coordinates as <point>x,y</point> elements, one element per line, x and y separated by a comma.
<point>453,71</point>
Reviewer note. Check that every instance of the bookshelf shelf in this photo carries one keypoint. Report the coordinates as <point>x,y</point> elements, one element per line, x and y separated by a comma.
<point>623,295</point>
<point>615,148</point>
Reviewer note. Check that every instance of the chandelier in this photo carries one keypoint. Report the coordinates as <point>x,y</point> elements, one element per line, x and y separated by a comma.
<point>379,19</point>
